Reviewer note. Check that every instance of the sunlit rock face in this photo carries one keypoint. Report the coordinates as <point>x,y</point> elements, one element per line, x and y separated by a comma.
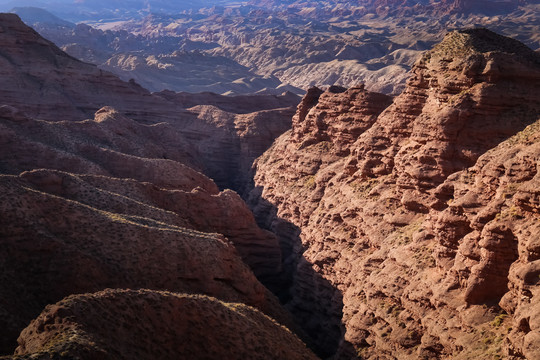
<point>414,237</point>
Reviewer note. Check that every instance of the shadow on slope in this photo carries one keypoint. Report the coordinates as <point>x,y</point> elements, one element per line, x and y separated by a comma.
<point>316,304</point>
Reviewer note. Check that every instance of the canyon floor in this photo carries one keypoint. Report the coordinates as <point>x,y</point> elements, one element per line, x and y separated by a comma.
<point>385,214</point>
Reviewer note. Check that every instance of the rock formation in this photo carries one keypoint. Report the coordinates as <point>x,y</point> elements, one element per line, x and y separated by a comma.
<point>148,324</point>
<point>412,239</point>
<point>494,209</point>
<point>406,228</point>
<point>118,200</point>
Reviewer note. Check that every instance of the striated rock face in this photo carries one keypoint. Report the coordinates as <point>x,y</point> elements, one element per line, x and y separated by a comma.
<point>338,116</point>
<point>412,239</point>
<point>472,91</point>
<point>148,324</point>
<point>495,208</point>
<point>291,175</point>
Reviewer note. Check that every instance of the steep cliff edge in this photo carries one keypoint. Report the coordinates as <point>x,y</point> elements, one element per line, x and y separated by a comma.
<point>392,253</point>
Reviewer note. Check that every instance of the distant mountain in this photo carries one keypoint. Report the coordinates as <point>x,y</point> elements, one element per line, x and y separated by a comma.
<point>155,62</point>
<point>34,15</point>
<point>268,46</point>
<point>85,10</point>
<point>400,6</point>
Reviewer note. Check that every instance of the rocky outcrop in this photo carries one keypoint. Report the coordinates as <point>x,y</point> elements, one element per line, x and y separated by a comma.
<point>337,116</point>
<point>110,144</point>
<point>394,244</point>
<point>147,324</point>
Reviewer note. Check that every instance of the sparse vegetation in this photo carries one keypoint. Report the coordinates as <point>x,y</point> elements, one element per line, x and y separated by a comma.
<point>309,182</point>
<point>363,188</point>
<point>499,319</point>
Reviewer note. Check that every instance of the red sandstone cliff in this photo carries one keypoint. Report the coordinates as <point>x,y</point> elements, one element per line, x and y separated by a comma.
<point>415,240</point>
<point>409,230</point>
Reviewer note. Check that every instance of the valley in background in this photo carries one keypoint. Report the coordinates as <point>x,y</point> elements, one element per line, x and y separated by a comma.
<point>271,47</point>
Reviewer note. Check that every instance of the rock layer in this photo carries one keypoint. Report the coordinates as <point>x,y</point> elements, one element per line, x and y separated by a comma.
<point>371,232</point>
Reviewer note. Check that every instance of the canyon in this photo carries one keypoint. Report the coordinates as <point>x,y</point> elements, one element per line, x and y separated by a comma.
<point>111,201</point>
<point>366,219</point>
